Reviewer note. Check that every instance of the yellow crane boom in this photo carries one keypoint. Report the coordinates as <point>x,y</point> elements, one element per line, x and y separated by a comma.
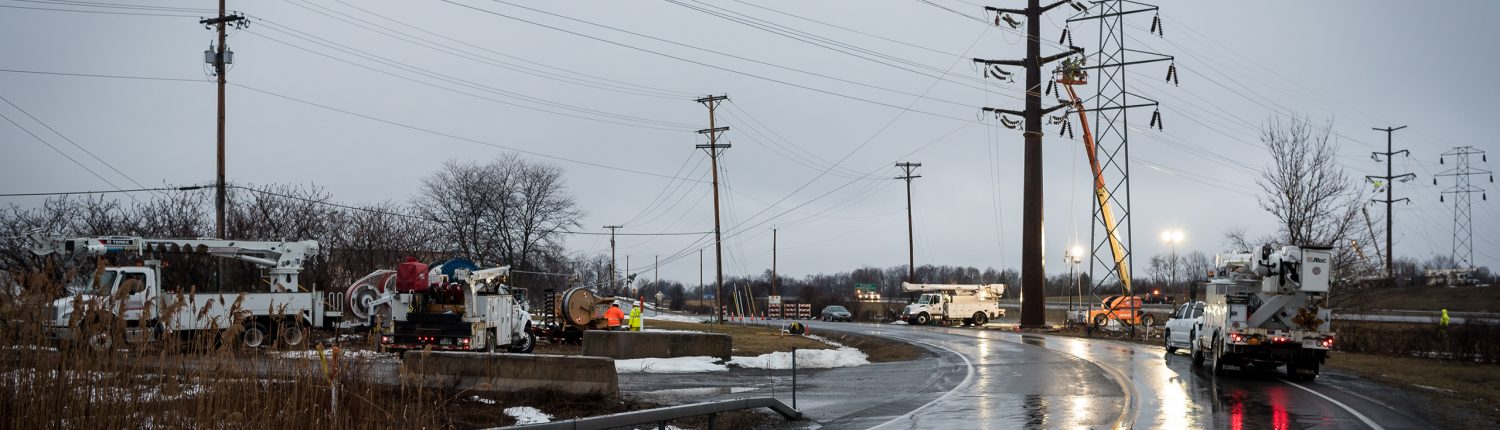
<point>1101,192</point>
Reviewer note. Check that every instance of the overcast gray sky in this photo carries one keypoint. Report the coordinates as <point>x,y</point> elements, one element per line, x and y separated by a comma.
<point>364,98</point>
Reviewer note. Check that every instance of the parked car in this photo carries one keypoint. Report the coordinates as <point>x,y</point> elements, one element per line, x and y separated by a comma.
<point>837,313</point>
<point>1182,326</point>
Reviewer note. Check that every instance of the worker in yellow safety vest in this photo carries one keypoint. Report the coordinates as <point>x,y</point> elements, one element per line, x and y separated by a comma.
<point>1444,321</point>
<point>635,315</point>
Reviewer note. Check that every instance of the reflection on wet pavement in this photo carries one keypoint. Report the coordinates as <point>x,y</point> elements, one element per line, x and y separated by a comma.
<point>990,379</point>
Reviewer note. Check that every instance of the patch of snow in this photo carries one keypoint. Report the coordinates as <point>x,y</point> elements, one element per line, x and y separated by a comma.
<point>674,317</point>
<point>670,365</point>
<point>898,322</point>
<point>312,354</point>
<point>842,356</point>
<point>528,415</point>
<point>658,330</point>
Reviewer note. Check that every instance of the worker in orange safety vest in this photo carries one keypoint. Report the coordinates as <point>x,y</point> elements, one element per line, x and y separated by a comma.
<point>614,316</point>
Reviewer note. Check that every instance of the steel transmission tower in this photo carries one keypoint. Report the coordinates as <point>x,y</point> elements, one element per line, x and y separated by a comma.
<point>1111,105</point>
<point>1463,232</point>
<point>1389,182</point>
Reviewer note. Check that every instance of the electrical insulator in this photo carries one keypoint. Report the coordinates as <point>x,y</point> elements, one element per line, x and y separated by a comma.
<point>1077,6</point>
<point>1440,199</point>
<point>1492,179</point>
<point>1440,160</point>
<point>1434,181</point>
<point>997,20</point>
<point>1050,85</point>
<point>1013,23</point>
<point>1070,129</point>
<point>1008,123</point>
<point>1156,21</point>
<point>1172,73</point>
<point>1064,36</point>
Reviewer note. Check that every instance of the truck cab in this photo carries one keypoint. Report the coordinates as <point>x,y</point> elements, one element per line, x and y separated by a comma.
<point>118,295</point>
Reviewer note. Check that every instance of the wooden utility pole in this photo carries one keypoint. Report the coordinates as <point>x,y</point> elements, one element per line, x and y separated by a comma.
<point>911,244</point>
<point>1033,268</point>
<point>713,131</point>
<point>612,228</point>
<point>219,57</point>
<point>1390,183</point>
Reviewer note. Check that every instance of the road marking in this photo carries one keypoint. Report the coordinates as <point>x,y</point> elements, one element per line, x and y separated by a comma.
<point>1361,417</point>
<point>1128,410</point>
<point>968,378</point>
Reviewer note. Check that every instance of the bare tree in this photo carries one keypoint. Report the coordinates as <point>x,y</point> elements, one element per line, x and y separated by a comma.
<point>1306,189</point>
<point>1313,200</point>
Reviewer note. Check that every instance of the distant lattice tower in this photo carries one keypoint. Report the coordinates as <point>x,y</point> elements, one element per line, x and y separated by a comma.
<point>1463,231</point>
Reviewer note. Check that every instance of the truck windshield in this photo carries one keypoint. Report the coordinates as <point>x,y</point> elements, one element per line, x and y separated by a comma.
<point>103,285</point>
<point>927,299</point>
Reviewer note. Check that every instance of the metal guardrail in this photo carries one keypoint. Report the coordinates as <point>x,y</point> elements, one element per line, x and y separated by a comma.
<point>660,416</point>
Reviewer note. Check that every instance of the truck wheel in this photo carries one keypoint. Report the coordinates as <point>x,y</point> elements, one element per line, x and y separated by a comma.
<point>1197,351</point>
<point>923,319</point>
<point>1218,355</point>
<point>291,334</point>
<point>99,338</point>
<point>1166,337</point>
<point>254,335</point>
<point>525,344</point>
<point>1099,320</point>
<point>1295,371</point>
<point>1148,320</point>
<point>980,319</point>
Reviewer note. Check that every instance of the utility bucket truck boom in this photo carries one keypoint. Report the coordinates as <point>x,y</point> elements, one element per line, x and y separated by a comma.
<point>970,304</point>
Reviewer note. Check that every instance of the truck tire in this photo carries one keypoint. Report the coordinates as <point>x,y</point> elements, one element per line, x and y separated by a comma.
<point>1100,320</point>
<point>525,344</point>
<point>980,319</point>
<point>291,335</point>
<point>1218,358</point>
<point>1295,368</point>
<point>1196,350</point>
<point>923,319</point>
<point>254,335</point>
<point>1148,320</point>
<point>1166,337</point>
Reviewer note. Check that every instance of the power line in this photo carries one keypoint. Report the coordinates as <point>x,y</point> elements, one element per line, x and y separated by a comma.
<point>720,68</point>
<point>453,136</point>
<point>134,190</point>
<point>70,141</point>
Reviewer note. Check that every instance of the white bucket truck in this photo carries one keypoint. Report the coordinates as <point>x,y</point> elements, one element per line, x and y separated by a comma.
<point>948,304</point>
<point>1268,308</point>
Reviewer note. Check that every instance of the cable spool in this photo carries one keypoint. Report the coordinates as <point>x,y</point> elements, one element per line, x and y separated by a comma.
<point>576,305</point>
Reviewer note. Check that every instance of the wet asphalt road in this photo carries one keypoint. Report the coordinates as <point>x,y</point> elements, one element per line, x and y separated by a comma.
<point>993,379</point>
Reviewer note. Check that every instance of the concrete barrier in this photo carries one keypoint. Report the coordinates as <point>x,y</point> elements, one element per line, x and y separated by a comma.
<point>511,372</point>
<point>622,345</point>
